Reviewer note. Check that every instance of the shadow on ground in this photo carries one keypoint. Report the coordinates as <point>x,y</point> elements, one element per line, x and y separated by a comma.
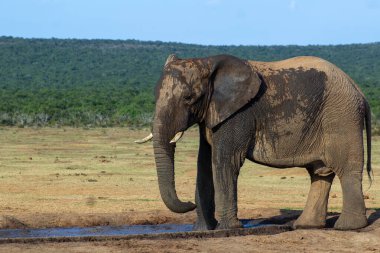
<point>289,216</point>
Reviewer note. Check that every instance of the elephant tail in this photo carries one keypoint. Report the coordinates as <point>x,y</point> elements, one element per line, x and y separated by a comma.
<point>368,133</point>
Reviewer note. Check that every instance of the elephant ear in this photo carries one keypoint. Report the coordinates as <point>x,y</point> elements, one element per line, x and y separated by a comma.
<point>234,84</point>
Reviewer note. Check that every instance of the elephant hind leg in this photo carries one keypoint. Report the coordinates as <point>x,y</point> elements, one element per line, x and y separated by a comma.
<point>315,211</point>
<point>347,159</point>
<point>353,214</point>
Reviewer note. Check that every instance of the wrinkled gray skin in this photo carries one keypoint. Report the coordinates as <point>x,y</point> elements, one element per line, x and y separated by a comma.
<point>302,112</point>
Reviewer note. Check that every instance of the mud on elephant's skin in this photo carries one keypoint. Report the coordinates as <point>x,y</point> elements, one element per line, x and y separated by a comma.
<point>299,112</point>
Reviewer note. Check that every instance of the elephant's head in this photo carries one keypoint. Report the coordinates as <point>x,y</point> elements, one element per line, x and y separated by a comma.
<point>207,90</point>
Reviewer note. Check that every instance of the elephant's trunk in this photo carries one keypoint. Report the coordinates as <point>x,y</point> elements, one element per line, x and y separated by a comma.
<point>164,156</point>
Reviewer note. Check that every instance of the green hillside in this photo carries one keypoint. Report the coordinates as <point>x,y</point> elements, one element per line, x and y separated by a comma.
<point>110,82</point>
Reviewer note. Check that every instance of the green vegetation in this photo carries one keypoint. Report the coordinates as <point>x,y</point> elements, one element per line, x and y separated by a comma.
<point>60,82</point>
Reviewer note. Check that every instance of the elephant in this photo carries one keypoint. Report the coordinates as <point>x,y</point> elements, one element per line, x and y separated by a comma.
<point>299,112</point>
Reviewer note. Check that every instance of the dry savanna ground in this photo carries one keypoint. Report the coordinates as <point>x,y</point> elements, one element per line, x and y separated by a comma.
<point>53,177</point>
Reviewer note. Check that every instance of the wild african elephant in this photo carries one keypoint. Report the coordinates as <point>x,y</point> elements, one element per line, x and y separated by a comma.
<point>302,112</point>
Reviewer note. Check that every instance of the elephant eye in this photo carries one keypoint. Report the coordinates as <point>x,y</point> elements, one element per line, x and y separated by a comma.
<point>187,95</point>
<point>188,99</point>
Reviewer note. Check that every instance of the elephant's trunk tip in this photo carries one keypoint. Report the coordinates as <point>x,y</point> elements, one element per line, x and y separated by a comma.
<point>181,207</point>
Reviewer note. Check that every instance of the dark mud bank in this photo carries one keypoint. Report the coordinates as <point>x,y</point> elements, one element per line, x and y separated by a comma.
<point>162,231</point>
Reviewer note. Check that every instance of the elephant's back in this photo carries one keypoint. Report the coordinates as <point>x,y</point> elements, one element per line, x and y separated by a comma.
<point>336,79</point>
<point>295,63</point>
<point>338,91</point>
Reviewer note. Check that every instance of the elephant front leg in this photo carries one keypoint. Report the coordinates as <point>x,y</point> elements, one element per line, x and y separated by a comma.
<point>315,211</point>
<point>204,194</point>
<point>225,173</point>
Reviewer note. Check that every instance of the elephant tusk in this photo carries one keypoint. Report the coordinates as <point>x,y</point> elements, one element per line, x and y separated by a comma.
<point>148,138</point>
<point>177,137</point>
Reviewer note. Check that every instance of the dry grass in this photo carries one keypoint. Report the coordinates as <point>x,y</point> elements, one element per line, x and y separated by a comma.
<point>102,171</point>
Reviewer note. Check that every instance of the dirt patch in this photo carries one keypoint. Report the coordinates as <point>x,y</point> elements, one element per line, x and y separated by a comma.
<point>49,220</point>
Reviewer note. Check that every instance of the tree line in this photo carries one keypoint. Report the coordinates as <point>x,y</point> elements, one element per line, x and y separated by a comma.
<point>72,82</point>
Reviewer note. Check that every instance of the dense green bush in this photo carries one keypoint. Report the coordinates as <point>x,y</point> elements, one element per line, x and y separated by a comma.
<point>53,82</point>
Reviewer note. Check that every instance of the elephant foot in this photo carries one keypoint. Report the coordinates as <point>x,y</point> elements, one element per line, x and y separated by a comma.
<point>350,221</point>
<point>204,226</point>
<point>230,224</point>
<point>309,222</point>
